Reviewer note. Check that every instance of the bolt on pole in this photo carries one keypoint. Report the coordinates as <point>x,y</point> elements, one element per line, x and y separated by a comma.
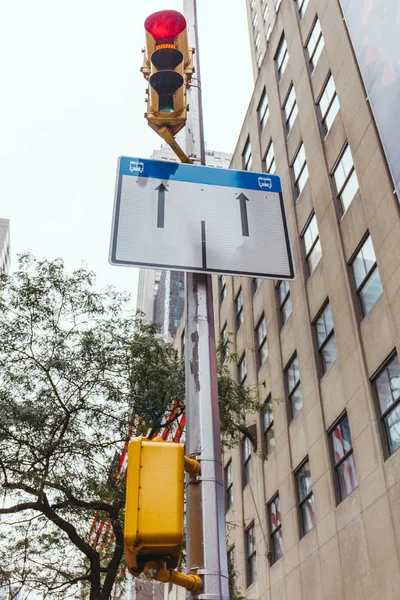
<point>205,513</point>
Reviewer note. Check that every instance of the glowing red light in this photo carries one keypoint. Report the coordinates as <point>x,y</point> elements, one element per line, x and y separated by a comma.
<point>165,24</point>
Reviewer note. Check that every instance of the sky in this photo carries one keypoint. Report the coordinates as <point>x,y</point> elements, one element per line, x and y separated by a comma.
<point>72,102</point>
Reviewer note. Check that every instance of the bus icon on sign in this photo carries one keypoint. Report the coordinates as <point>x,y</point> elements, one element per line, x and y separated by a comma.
<point>137,166</point>
<point>265,182</point>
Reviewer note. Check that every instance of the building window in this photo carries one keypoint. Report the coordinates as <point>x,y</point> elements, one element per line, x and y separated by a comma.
<point>246,450</point>
<point>294,387</point>
<point>366,276</point>
<point>301,7</point>
<point>306,498</point>
<point>222,288</point>
<point>257,41</point>
<point>239,316</point>
<point>266,14</point>
<point>274,510</point>
<point>277,5</point>
<point>328,105</point>
<point>269,160</point>
<point>263,110</point>
<point>315,45</point>
<point>327,348</point>
<point>255,284</point>
<point>224,340</point>
<point>387,388</point>
<point>267,416</point>
<point>285,302</point>
<point>259,60</point>
<point>231,570</point>
<point>262,346</point>
<point>183,343</point>
<point>251,557</point>
<point>300,170</point>
<point>345,179</point>
<point>242,371</point>
<point>290,109</point>
<point>268,34</point>
<point>252,4</point>
<point>255,20</point>
<point>343,458</point>
<point>247,159</point>
<point>312,245</point>
<point>281,57</point>
<point>228,486</point>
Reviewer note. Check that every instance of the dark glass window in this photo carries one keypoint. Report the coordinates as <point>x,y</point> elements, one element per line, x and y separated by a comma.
<point>281,57</point>
<point>387,388</point>
<point>343,458</point>
<point>228,486</point>
<point>255,284</point>
<point>267,416</point>
<point>294,387</point>
<point>269,159</point>
<point>285,303</point>
<point>366,276</point>
<point>326,340</point>
<point>242,371</point>
<point>312,245</point>
<point>306,498</point>
<point>300,170</point>
<point>290,110</point>
<point>222,288</point>
<point>274,510</point>
<point>263,110</point>
<point>239,310</point>
<point>247,159</point>
<point>246,451</point>
<point>261,340</point>
<point>251,557</point>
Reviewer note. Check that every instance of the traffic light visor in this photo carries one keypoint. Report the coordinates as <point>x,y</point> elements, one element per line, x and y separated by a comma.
<point>165,25</point>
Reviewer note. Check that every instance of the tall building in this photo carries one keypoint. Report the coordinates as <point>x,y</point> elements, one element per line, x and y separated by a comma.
<point>313,509</point>
<point>4,245</point>
<point>160,294</point>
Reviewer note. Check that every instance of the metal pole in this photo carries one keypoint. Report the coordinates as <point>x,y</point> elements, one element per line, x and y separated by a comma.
<point>205,513</point>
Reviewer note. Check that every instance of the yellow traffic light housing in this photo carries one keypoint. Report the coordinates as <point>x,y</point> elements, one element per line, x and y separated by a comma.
<point>154,503</point>
<point>168,67</point>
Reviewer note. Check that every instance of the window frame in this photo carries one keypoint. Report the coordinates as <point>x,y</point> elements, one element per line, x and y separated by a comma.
<point>239,314</point>
<point>282,303</point>
<point>222,288</point>
<point>308,253</point>
<point>301,9</point>
<point>296,386</point>
<point>247,159</point>
<point>274,532</point>
<point>224,339</point>
<point>264,116</point>
<point>329,336</point>
<point>383,415</point>
<point>228,476</point>
<point>288,114</point>
<point>255,284</point>
<point>310,56</point>
<point>323,116</point>
<point>267,427</point>
<point>302,501</point>
<point>263,343</point>
<point>359,288</point>
<point>277,4</point>
<point>282,64</point>
<point>337,464</point>
<point>251,557</point>
<point>339,191</point>
<point>297,177</point>
<point>272,161</point>
<point>247,451</point>
<point>242,377</point>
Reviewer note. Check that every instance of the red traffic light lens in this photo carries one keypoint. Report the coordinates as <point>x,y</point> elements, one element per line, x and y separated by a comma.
<point>165,24</point>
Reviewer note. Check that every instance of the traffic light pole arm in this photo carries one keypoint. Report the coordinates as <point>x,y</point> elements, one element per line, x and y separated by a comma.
<point>169,138</point>
<point>157,571</point>
<point>192,467</point>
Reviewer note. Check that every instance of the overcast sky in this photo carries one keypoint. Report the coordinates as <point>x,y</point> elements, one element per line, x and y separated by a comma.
<point>72,101</point>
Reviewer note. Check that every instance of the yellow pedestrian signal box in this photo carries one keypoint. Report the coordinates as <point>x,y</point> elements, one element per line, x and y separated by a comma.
<point>168,67</point>
<point>154,503</point>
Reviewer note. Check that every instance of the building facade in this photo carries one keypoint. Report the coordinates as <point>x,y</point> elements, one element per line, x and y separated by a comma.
<point>4,245</point>
<point>313,509</point>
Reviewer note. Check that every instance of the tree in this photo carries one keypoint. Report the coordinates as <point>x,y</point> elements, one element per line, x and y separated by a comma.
<point>78,370</point>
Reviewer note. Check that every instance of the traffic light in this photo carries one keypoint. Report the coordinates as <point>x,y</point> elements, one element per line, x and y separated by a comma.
<point>168,67</point>
<point>154,503</point>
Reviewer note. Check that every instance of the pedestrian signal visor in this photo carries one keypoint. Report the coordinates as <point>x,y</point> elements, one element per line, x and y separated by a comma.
<point>168,67</point>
